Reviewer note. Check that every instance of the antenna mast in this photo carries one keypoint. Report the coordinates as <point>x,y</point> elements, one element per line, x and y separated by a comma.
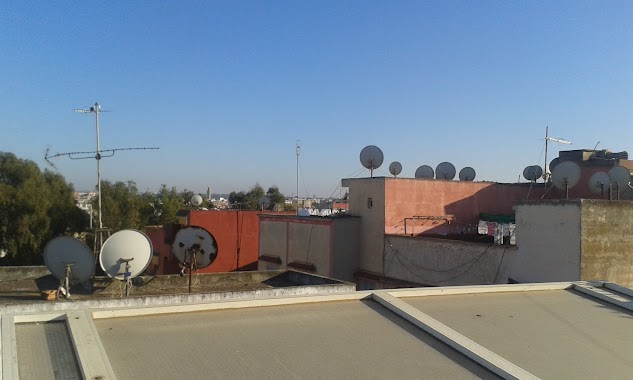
<point>546,172</point>
<point>298,150</point>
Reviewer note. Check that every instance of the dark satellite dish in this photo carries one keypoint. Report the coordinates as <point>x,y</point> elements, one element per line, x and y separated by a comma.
<point>566,175</point>
<point>424,171</point>
<point>371,157</point>
<point>395,168</point>
<point>599,183</point>
<point>532,173</point>
<point>620,179</point>
<point>445,170</point>
<point>467,174</point>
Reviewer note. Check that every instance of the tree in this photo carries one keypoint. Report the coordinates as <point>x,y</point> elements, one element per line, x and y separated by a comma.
<point>34,207</point>
<point>275,196</point>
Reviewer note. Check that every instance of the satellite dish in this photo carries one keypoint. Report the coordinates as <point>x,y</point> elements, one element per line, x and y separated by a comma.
<point>599,182</point>
<point>467,174</point>
<point>303,212</point>
<point>264,201</point>
<point>395,168</point>
<point>65,250</point>
<point>126,254</point>
<point>424,171</point>
<point>371,157</point>
<point>532,173</point>
<point>445,170</point>
<point>566,175</point>
<point>554,163</point>
<point>196,200</point>
<point>620,175</point>
<point>195,243</point>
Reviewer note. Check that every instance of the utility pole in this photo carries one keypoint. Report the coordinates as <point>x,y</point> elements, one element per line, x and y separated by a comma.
<point>96,109</point>
<point>298,150</point>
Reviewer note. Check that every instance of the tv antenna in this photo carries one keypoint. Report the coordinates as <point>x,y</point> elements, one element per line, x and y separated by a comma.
<point>395,168</point>
<point>467,174</point>
<point>566,175</point>
<point>98,155</point>
<point>195,248</point>
<point>298,150</point>
<point>125,255</point>
<point>371,157</point>
<point>445,170</point>
<point>70,261</point>
<point>546,172</point>
<point>599,182</point>
<point>425,171</point>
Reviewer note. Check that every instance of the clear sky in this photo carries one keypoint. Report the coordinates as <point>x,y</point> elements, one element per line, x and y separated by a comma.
<point>225,88</point>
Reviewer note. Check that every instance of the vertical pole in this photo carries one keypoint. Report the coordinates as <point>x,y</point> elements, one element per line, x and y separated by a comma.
<point>298,149</point>
<point>545,167</point>
<point>98,157</point>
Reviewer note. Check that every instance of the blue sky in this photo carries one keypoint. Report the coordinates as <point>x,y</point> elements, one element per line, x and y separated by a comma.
<point>225,88</point>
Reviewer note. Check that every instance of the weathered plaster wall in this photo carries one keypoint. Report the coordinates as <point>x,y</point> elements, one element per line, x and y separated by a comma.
<point>548,241</point>
<point>441,262</point>
<point>346,249</point>
<point>310,243</point>
<point>372,219</point>
<point>607,241</point>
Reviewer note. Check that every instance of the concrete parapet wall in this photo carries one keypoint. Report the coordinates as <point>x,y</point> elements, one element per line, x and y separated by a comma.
<point>23,273</point>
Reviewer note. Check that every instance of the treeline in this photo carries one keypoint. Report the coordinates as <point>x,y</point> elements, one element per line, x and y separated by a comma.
<point>36,206</point>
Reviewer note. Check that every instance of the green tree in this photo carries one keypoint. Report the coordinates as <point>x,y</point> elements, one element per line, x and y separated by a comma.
<point>34,207</point>
<point>276,197</point>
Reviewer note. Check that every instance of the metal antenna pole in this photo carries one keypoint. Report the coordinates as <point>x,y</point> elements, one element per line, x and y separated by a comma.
<point>298,150</point>
<point>98,157</point>
<point>545,168</point>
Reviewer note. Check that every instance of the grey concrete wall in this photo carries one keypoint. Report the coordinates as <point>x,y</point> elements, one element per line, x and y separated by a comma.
<point>346,249</point>
<point>272,242</point>
<point>23,273</point>
<point>548,241</point>
<point>443,262</point>
<point>372,220</point>
<point>607,241</point>
<point>310,243</point>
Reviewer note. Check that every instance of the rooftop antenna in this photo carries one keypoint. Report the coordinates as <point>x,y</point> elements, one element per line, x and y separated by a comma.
<point>195,248</point>
<point>445,170</point>
<point>98,155</point>
<point>70,261</point>
<point>371,157</point>
<point>566,175</point>
<point>298,150</point>
<point>395,168</point>
<point>546,171</point>
<point>125,255</point>
<point>425,171</point>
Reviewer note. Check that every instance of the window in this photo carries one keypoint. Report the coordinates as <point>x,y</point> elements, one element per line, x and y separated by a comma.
<point>370,203</point>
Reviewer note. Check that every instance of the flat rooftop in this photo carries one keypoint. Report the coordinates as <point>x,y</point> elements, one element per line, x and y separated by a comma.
<point>552,330</point>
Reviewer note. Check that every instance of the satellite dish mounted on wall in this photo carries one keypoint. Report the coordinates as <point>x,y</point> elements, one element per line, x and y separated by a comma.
<point>371,157</point>
<point>195,248</point>
<point>70,260</point>
<point>620,179</point>
<point>125,255</point>
<point>566,175</point>
<point>196,200</point>
<point>467,174</point>
<point>532,173</point>
<point>424,171</point>
<point>395,168</point>
<point>599,182</point>
<point>445,170</point>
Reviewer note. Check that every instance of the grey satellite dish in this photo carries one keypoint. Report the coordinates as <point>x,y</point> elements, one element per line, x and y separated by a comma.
<point>126,254</point>
<point>395,168</point>
<point>67,250</point>
<point>195,247</point>
<point>196,200</point>
<point>467,174</point>
<point>599,182</point>
<point>620,179</point>
<point>425,171</point>
<point>445,170</point>
<point>532,173</point>
<point>554,163</point>
<point>566,175</point>
<point>371,157</point>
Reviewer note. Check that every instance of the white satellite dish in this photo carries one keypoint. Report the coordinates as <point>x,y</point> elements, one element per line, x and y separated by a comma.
<point>196,200</point>
<point>445,170</point>
<point>467,174</point>
<point>424,171</point>
<point>70,260</point>
<point>566,175</point>
<point>195,247</point>
<point>532,173</point>
<point>303,212</point>
<point>371,157</point>
<point>126,248</point>
<point>599,182</point>
<point>395,168</point>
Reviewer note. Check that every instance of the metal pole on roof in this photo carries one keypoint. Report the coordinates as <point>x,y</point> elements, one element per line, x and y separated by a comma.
<point>298,150</point>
